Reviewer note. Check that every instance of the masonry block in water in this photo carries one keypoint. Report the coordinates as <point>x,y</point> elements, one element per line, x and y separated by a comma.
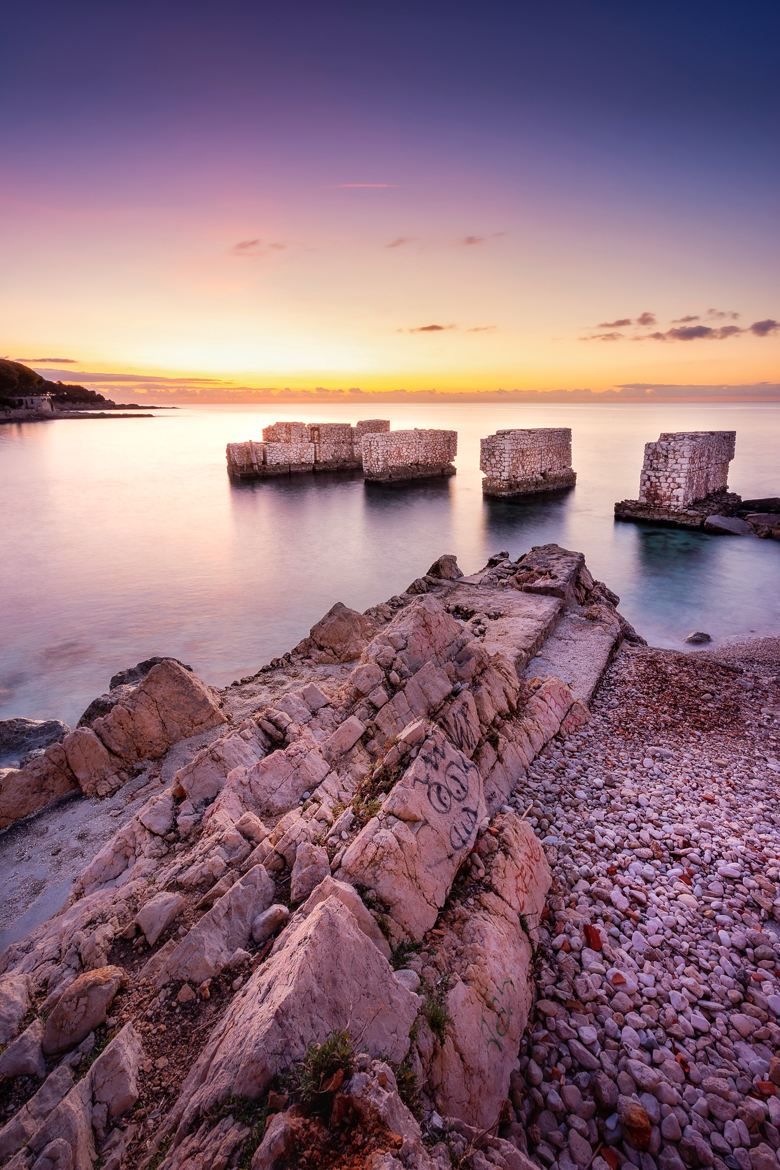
<point>526,462</point>
<point>684,478</point>
<point>403,455</point>
<point>291,447</point>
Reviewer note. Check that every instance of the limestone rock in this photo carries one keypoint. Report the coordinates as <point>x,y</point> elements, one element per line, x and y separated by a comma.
<point>267,923</point>
<point>41,782</point>
<point>116,1073</point>
<point>325,977</point>
<point>728,525</point>
<point>81,1008</point>
<point>24,1057</point>
<point>487,958</point>
<point>97,771</point>
<point>14,1004</point>
<point>310,867</point>
<point>168,705</point>
<point>226,927</point>
<point>329,888</point>
<point>158,913</point>
<point>341,634</point>
<point>408,855</point>
<point>446,568</point>
<point>19,737</point>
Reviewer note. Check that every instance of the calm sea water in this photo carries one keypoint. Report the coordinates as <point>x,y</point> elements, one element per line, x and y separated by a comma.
<point>125,538</point>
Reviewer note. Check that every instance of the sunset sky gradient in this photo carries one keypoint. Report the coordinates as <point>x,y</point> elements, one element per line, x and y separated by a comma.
<point>421,195</point>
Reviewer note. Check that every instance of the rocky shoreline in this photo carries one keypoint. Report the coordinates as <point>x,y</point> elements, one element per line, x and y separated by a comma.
<point>312,912</point>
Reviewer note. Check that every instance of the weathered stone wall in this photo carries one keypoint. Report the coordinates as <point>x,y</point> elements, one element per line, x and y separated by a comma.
<point>524,462</point>
<point>417,454</point>
<point>685,466</point>
<point>290,447</point>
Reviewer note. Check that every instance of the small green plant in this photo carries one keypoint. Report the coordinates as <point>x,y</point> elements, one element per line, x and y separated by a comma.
<point>365,808</point>
<point>402,954</point>
<point>367,801</point>
<point>408,1088</point>
<point>323,1069</point>
<point>102,1039</point>
<point>436,1011</point>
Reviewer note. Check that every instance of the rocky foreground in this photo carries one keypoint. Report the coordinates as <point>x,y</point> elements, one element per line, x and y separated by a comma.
<point>318,940</point>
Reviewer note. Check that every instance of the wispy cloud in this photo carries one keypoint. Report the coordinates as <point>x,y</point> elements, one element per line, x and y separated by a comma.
<point>256,247</point>
<point>685,328</point>
<point>712,333</point>
<point>722,315</point>
<point>644,319</point>
<point>401,241</point>
<point>429,329</point>
<point>473,241</point>
<point>54,361</point>
<point>448,329</point>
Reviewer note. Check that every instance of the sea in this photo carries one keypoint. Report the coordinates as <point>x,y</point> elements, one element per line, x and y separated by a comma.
<point>124,538</point>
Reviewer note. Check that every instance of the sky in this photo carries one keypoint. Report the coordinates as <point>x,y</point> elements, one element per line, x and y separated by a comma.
<point>414,196</point>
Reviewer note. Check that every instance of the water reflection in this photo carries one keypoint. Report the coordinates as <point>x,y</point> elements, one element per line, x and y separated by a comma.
<point>123,539</point>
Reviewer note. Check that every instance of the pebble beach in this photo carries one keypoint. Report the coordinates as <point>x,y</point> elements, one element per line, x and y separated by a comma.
<point>656,1039</point>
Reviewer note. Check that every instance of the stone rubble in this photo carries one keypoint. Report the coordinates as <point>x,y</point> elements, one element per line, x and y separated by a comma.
<point>657,1030</point>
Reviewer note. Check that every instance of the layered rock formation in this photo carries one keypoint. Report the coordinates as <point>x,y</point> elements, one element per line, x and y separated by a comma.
<point>331,908</point>
<point>291,447</point>
<point>527,462</point>
<point>416,454</point>
<point>132,724</point>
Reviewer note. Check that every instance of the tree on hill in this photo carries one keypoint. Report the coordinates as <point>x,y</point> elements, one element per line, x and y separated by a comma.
<point>16,379</point>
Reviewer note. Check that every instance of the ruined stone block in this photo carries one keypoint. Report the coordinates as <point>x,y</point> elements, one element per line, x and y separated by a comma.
<point>526,462</point>
<point>417,454</point>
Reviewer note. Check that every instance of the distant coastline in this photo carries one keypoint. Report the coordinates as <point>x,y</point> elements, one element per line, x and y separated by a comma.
<point>26,396</point>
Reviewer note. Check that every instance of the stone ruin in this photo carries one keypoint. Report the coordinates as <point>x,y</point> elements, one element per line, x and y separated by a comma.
<point>684,479</point>
<point>291,447</point>
<point>525,462</point>
<point>415,454</point>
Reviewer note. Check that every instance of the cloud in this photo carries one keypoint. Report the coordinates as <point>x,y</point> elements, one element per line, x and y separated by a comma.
<point>448,329</point>
<point>764,328</point>
<point>472,241</point>
<point>722,315</point>
<point>611,336</point>
<point>620,323</point>
<point>55,361</point>
<point>400,241</point>
<point>686,320</point>
<point>694,334</point>
<point>256,247</point>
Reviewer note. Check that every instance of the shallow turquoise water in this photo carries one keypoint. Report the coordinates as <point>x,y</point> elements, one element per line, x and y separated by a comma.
<point>125,538</point>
